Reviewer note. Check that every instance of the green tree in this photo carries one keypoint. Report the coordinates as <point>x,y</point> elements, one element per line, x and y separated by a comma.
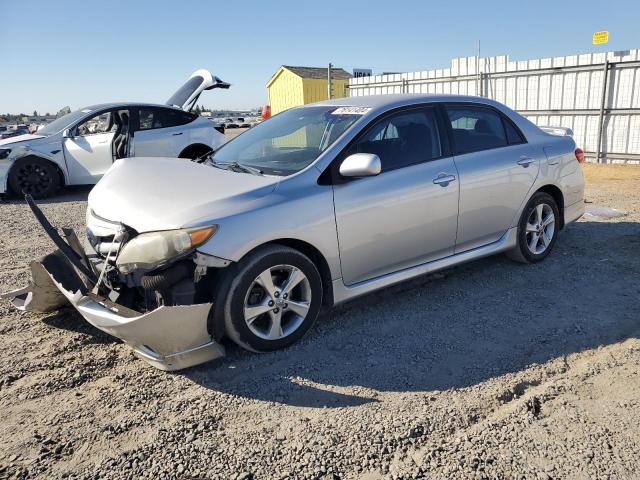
<point>63,111</point>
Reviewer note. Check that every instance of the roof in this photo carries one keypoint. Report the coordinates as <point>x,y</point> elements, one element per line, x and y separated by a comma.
<point>381,103</point>
<point>400,99</point>
<point>319,73</point>
<point>127,104</point>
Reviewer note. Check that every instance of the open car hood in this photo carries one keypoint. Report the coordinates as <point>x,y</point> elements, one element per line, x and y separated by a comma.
<point>150,194</point>
<point>188,94</point>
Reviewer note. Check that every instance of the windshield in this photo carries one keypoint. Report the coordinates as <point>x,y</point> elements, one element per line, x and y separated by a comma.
<point>289,141</point>
<point>62,122</point>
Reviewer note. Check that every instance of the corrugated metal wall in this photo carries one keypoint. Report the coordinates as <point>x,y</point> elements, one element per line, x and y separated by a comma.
<point>560,91</point>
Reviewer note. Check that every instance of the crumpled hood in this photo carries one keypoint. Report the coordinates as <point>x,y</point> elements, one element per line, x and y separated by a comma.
<point>150,194</point>
<point>20,138</point>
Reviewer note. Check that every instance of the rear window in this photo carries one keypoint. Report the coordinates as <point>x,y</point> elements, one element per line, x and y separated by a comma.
<point>151,118</point>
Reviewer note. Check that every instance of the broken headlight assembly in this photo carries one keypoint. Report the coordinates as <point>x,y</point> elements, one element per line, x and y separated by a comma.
<point>148,251</point>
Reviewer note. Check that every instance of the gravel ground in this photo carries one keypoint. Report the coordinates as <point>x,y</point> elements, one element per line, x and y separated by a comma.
<point>489,370</point>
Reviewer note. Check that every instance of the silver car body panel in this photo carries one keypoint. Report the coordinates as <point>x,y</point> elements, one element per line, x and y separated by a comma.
<point>372,231</point>
<point>342,292</point>
<point>399,218</point>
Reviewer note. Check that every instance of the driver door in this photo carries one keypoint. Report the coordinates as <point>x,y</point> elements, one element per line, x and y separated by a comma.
<point>406,215</point>
<point>88,149</point>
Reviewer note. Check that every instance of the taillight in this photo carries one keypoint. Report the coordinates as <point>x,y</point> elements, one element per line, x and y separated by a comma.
<point>220,129</point>
<point>579,155</point>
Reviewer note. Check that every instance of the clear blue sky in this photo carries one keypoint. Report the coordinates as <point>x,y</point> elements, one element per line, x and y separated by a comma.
<point>82,52</point>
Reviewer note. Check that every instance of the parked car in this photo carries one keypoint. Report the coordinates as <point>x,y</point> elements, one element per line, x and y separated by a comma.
<point>79,147</point>
<point>315,206</point>
<point>12,133</point>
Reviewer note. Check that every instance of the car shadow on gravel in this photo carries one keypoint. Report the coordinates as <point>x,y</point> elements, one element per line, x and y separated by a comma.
<point>453,329</point>
<point>68,194</point>
<point>70,320</point>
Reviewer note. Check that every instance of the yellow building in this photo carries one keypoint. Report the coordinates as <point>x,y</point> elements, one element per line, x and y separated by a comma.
<point>294,86</point>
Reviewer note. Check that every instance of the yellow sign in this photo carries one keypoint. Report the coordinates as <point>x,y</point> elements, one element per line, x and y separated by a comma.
<point>600,37</point>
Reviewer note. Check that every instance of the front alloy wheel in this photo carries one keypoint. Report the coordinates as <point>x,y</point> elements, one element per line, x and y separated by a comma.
<point>34,176</point>
<point>277,302</point>
<point>269,299</point>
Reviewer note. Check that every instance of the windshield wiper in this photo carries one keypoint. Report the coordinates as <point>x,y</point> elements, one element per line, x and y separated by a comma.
<point>236,166</point>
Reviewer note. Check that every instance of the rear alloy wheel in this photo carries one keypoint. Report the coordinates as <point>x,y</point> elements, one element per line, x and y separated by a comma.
<point>538,229</point>
<point>34,176</point>
<point>272,298</point>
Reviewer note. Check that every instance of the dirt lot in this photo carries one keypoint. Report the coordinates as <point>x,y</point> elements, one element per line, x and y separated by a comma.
<point>489,370</point>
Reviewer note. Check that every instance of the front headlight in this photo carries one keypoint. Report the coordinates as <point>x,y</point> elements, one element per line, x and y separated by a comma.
<point>150,250</point>
<point>4,153</point>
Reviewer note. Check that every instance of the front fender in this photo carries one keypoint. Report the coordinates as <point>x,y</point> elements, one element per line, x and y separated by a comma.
<point>51,151</point>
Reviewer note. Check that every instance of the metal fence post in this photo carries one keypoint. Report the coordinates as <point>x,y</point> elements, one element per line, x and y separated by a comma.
<point>602,104</point>
<point>329,82</point>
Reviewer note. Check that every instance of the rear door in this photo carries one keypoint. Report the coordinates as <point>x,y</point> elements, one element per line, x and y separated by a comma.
<point>88,150</point>
<point>161,132</point>
<point>497,168</point>
<point>407,214</point>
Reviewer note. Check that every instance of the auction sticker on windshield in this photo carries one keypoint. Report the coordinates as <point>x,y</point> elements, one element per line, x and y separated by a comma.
<point>351,111</point>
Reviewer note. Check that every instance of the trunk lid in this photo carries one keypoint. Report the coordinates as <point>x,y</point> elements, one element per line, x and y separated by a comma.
<point>199,81</point>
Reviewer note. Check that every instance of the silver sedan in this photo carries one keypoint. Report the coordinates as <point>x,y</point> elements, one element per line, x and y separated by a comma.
<point>316,206</point>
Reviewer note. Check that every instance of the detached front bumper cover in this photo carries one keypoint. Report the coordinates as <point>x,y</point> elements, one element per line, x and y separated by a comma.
<point>169,338</point>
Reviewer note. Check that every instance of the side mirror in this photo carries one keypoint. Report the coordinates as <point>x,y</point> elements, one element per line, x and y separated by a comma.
<point>361,165</point>
<point>67,133</point>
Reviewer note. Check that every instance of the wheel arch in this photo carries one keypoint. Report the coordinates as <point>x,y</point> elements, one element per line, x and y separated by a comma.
<point>194,147</point>
<point>316,257</point>
<point>557,195</point>
<point>59,169</point>
<point>215,323</point>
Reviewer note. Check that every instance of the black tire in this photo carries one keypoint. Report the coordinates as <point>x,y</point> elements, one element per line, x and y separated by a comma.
<point>35,176</point>
<point>238,285</point>
<point>522,252</point>
<point>196,153</point>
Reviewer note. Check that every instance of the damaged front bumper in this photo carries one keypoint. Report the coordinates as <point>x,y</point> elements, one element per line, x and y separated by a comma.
<point>169,337</point>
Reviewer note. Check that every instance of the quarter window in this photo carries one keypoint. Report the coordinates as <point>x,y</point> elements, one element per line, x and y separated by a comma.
<point>402,139</point>
<point>163,117</point>
<point>476,128</point>
<point>513,135</point>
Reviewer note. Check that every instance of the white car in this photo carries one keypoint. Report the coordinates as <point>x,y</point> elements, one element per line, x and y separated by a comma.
<point>78,148</point>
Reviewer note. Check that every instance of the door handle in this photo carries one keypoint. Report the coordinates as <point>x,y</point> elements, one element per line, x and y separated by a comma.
<point>176,134</point>
<point>525,161</point>
<point>444,179</point>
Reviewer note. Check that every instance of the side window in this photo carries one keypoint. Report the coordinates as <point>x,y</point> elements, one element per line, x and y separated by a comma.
<point>476,128</point>
<point>163,117</point>
<point>102,123</point>
<point>402,139</point>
